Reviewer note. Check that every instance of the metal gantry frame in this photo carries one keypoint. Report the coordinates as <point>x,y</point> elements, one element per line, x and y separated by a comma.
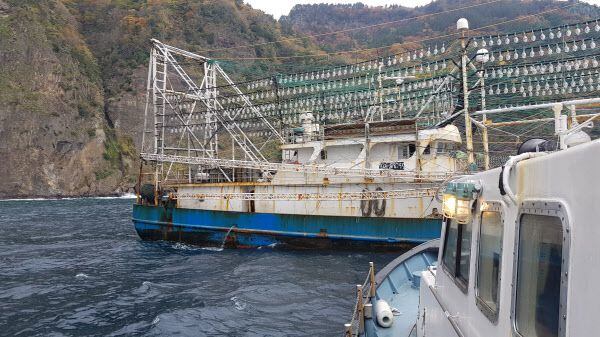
<point>171,91</point>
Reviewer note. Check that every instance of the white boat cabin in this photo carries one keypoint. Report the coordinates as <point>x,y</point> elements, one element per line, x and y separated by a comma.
<point>378,145</point>
<point>519,257</point>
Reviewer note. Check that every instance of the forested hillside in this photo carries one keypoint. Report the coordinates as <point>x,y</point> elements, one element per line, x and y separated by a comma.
<point>324,18</point>
<point>72,79</point>
<point>73,72</point>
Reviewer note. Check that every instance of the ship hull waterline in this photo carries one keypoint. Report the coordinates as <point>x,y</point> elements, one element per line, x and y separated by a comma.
<point>248,230</point>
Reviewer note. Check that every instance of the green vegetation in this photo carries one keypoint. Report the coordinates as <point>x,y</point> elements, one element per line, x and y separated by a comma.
<point>115,148</point>
<point>103,174</point>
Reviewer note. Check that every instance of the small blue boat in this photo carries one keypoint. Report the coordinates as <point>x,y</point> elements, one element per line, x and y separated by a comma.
<point>390,309</point>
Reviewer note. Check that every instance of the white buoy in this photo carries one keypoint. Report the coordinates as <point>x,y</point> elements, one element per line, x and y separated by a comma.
<point>384,314</point>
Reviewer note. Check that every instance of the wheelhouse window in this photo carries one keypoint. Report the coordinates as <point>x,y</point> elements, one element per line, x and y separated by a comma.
<point>457,251</point>
<point>290,156</point>
<point>405,151</point>
<point>489,263</point>
<point>538,279</point>
<point>444,148</point>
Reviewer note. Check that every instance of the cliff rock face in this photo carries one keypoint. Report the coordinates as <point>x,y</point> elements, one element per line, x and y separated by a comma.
<point>72,83</point>
<point>52,126</point>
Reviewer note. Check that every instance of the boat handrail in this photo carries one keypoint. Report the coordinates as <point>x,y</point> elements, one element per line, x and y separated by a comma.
<point>384,272</point>
<point>512,161</point>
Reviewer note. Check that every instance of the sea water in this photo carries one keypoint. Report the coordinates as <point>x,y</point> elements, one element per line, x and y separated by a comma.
<point>77,268</point>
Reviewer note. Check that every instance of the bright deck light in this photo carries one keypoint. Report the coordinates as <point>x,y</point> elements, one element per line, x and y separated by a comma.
<point>463,210</point>
<point>449,205</point>
<point>457,201</point>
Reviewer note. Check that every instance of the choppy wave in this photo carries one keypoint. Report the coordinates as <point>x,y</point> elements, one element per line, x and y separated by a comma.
<point>72,268</point>
<point>124,196</point>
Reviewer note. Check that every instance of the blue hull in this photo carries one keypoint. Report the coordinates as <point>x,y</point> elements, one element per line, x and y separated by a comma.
<point>203,227</point>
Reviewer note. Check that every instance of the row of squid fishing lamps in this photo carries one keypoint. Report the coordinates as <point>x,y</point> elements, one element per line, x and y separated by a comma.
<point>347,70</point>
<point>496,72</point>
<point>337,113</point>
<point>545,68</point>
<point>329,102</point>
<point>368,79</point>
<point>541,51</point>
<point>548,87</point>
<point>530,36</point>
<point>537,35</point>
<point>405,92</point>
<point>427,68</point>
<point>412,89</point>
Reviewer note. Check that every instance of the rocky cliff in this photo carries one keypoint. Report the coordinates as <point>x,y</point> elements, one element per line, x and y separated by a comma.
<point>54,137</point>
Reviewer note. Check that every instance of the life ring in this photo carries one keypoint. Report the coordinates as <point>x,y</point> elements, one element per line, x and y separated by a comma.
<point>378,205</point>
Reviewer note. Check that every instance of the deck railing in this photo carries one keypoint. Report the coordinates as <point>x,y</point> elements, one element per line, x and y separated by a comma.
<point>363,307</point>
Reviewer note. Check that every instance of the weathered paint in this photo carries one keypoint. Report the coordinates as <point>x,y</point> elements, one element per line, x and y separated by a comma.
<point>209,227</point>
<point>410,208</point>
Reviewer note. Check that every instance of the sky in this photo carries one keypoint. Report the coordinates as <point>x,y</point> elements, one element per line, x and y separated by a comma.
<point>282,7</point>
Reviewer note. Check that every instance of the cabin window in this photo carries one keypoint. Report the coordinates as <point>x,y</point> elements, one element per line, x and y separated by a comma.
<point>405,151</point>
<point>323,154</point>
<point>290,155</point>
<point>488,263</point>
<point>538,279</point>
<point>457,251</point>
<point>444,148</point>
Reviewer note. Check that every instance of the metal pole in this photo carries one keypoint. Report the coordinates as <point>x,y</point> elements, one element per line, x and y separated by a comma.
<point>155,111</point>
<point>367,145</point>
<point>372,280</point>
<point>379,93</point>
<point>417,152</point>
<point>138,193</point>
<point>484,131</point>
<point>573,113</point>
<point>348,330</point>
<point>360,309</point>
<point>468,130</point>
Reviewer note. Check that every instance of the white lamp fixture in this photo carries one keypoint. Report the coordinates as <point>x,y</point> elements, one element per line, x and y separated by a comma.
<point>482,56</point>
<point>462,24</point>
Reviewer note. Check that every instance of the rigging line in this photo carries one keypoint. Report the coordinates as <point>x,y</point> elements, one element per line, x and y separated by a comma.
<point>396,44</point>
<point>353,29</point>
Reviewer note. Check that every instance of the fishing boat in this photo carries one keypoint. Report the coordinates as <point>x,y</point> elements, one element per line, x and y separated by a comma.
<point>350,156</point>
<point>323,195</point>
<point>359,175</point>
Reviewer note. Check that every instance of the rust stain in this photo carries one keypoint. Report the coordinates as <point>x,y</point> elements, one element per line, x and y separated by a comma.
<point>322,233</point>
<point>224,184</point>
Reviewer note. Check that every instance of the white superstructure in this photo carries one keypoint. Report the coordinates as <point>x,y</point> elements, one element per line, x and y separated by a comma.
<point>421,159</point>
<point>521,260</point>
